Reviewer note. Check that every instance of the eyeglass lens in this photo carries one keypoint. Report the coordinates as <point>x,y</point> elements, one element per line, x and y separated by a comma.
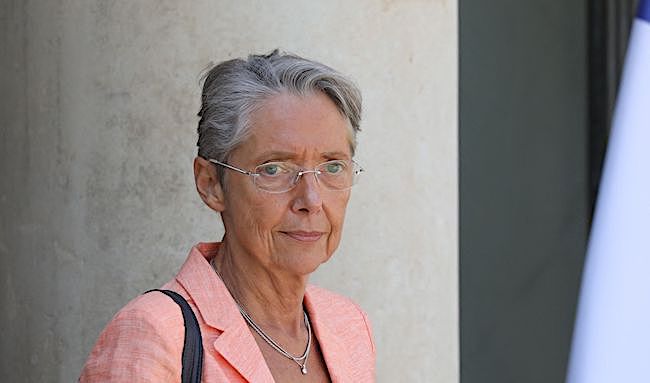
<point>283,176</point>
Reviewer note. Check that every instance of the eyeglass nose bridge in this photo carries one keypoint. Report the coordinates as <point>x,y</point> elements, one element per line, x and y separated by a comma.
<point>300,173</point>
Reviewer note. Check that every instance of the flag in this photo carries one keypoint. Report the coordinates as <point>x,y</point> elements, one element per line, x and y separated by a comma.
<point>611,340</point>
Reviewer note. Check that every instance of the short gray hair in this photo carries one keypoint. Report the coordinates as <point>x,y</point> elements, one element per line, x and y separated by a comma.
<point>233,89</point>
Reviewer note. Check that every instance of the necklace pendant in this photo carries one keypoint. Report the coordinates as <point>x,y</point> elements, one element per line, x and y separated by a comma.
<point>303,369</point>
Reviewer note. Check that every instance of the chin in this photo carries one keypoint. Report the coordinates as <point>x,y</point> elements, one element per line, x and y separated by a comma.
<point>305,263</point>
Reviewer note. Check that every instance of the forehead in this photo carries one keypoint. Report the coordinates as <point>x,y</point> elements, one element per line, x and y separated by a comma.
<point>299,126</point>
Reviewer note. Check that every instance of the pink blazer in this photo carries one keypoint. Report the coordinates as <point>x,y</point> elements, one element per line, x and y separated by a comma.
<point>144,341</point>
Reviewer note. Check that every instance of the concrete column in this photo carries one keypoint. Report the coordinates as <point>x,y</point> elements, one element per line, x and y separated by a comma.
<point>98,135</point>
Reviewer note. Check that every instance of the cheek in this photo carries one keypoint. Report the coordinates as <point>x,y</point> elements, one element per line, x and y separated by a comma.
<point>262,214</point>
<point>341,208</point>
<point>336,218</point>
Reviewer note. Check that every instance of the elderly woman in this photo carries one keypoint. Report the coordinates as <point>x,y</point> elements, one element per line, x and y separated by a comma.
<point>275,160</point>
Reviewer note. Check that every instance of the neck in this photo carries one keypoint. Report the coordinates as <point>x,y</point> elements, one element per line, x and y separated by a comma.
<point>272,298</point>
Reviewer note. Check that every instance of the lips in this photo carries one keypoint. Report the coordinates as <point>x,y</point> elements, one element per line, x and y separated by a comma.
<point>304,236</point>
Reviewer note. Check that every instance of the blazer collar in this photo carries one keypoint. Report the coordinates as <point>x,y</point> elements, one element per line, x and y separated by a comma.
<point>218,310</point>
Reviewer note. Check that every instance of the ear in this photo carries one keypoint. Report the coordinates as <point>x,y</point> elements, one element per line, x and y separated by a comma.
<point>208,184</point>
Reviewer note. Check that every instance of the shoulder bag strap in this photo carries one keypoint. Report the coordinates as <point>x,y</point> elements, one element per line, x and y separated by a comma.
<point>193,346</point>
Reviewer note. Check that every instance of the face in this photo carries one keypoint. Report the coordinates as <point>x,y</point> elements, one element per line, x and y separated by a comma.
<point>297,230</point>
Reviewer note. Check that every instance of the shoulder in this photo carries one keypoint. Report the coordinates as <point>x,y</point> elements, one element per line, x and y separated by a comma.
<point>332,302</point>
<point>153,311</point>
<point>144,339</point>
<point>157,305</point>
<point>343,314</point>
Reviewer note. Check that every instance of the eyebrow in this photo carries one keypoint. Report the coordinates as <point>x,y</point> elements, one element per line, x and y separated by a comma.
<point>275,154</point>
<point>283,155</point>
<point>335,154</point>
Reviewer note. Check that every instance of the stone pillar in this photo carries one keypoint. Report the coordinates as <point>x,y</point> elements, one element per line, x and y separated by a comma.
<point>98,135</point>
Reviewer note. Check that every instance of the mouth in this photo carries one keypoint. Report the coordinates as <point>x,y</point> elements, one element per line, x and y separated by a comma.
<point>304,236</point>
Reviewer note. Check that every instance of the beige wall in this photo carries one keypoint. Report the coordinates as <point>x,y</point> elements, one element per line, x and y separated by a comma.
<point>98,133</point>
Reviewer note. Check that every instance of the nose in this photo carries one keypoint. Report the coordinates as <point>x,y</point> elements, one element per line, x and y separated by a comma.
<point>307,197</point>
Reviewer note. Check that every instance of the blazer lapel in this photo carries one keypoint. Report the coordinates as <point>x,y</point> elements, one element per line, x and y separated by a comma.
<point>216,306</point>
<point>237,345</point>
<point>335,353</point>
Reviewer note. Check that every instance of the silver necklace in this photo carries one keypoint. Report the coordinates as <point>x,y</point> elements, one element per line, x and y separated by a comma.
<point>301,360</point>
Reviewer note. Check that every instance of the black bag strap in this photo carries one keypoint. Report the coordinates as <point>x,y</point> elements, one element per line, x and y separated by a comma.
<point>193,346</point>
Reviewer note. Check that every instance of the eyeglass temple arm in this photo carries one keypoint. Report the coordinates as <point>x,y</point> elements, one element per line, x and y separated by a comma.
<point>359,169</point>
<point>231,167</point>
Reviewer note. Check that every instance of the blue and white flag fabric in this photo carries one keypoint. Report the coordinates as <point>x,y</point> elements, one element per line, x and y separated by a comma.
<point>611,340</point>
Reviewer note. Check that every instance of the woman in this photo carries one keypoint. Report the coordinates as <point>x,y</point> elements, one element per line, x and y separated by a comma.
<point>276,142</point>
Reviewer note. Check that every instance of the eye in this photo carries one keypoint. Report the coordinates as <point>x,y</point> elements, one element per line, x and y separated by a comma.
<point>334,167</point>
<point>271,169</point>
